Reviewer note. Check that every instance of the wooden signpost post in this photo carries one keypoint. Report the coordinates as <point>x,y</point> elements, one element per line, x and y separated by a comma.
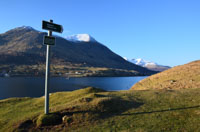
<point>49,40</point>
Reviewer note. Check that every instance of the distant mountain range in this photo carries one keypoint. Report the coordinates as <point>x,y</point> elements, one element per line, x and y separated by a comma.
<point>148,64</point>
<point>23,46</point>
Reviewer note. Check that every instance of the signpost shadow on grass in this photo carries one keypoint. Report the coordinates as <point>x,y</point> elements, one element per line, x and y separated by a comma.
<point>164,110</point>
<point>108,106</point>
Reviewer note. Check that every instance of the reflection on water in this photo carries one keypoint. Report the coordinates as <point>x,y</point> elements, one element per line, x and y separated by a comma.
<point>34,86</point>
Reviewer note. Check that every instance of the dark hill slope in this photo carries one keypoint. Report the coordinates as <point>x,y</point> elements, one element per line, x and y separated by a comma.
<point>23,45</point>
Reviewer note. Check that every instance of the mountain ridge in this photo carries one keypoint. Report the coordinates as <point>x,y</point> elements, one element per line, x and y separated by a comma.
<point>25,46</point>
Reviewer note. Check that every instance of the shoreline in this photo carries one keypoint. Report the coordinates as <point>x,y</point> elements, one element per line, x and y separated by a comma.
<point>11,76</point>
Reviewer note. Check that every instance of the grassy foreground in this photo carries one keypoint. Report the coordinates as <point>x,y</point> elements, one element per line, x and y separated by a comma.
<point>92,109</point>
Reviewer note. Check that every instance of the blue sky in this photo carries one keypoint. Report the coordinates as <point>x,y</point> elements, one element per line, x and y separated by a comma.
<point>163,31</point>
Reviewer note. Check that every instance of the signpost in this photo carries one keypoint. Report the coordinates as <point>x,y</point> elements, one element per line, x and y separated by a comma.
<point>49,40</point>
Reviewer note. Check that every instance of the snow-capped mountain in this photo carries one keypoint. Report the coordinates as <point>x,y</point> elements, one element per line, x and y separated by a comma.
<point>142,62</point>
<point>148,64</point>
<point>81,38</point>
<point>23,46</point>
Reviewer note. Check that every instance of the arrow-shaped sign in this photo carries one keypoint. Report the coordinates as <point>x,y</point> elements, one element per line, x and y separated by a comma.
<point>52,27</point>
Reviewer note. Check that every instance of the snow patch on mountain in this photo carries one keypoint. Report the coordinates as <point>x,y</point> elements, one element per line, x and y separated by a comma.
<point>24,27</point>
<point>141,62</point>
<point>81,38</point>
<point>148,64</point>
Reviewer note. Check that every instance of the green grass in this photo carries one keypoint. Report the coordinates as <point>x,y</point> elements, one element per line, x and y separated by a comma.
<point>49,119</point>
<point>92,109</point>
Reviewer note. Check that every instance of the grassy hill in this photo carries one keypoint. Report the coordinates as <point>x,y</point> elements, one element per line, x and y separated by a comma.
<point>92,109</point>
<point>179,77</point>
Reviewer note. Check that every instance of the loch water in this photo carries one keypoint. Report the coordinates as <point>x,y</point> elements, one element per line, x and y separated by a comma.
<point>34,86</point>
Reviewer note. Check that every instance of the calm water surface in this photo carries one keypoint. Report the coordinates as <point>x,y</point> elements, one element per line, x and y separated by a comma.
<point>34,86</point>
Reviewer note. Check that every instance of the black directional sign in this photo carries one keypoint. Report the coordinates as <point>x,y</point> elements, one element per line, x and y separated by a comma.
<point>52,27</point>
<point>49,40</point>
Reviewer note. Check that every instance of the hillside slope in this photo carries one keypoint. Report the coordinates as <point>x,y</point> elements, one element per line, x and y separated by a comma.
<point>93,110</point>
<point>23,46</point>
<point>179,77</point>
